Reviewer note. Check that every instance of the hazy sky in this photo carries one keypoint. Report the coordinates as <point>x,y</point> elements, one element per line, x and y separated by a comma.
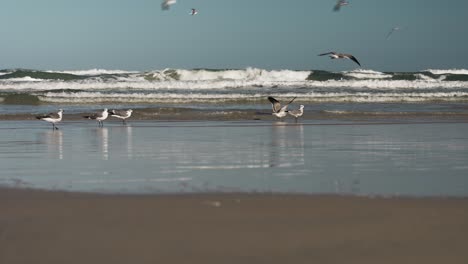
<point>270,34</point>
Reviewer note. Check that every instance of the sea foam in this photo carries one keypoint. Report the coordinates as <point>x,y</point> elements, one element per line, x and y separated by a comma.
<point>180,85</point>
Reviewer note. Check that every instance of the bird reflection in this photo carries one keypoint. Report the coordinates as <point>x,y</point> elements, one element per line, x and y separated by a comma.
<point>103,137</point>
<point>299,132</point>
<point>54,141</point>
<point>129,142</point>
<point>277,144</point>
<point>287,145</point>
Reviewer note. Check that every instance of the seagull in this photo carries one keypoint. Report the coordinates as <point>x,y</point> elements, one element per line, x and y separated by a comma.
<point>334,55</point>
<point>339,4</point>
<point>122,114</point>
<point>391,32</point>
<point>193,12</point>
<point>297,113</point>
<point>99,117</point>
<point>167,3</point>
<point>278,110</point>
<point>52,118</point>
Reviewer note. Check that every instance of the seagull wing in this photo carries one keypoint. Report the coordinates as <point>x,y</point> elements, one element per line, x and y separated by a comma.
<point>337,7</point>
<point>296,112</point>
<point>351,57</point>
<point>49,115</point>
<point>285,107</point>
<point>123,113</point>
<point>392,31</point>
<point>389,34</point>
<point>42,116</point>
<point>328,53</point>
<point>167,3</point>
<point>275,104</point>
<point>291,100</point>
<point>91,116</point>
<point>53,115</point>
<point>100,114</point>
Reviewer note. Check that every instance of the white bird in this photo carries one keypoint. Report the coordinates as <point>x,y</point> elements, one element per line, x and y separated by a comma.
<point>278,110</point>
<point>392,31</point>
<point>100,117</point>
<point>193,12</point>
<point>167,3</point>
<point>122,114</point>
<point>334,55</point>
<point>52,118</point>
<point>297,113</point>
<point>339,4</point>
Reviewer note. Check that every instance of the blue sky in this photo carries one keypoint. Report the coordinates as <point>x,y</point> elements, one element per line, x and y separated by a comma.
<point>270,34</point>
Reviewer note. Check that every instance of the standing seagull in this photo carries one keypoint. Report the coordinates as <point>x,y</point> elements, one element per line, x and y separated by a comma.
<point>339,4</point>
<point>167,3</point>
<point>122,114</point>
<point>297,113</point>
<point>52,118</point>
<point>278,110</point>
<point>193,12</point>
<point>99,117</point>
<point>334,55</point>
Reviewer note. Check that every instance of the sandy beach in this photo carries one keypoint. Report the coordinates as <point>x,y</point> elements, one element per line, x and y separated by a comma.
<point>226,192</point>
<point>61,227</point>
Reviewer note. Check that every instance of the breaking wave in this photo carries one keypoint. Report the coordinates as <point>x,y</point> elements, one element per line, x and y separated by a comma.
<point>181,85</point>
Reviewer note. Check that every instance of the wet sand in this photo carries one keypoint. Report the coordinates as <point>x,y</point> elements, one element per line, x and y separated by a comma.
<point>195,114</point>
<point>60,227</point>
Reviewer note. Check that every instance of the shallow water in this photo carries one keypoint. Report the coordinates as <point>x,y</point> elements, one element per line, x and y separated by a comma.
<point>417,159</point>
<point>262,105</point>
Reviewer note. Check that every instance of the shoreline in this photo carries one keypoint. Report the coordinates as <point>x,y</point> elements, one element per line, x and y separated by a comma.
<point>229,228</point>
<point>192,114</point>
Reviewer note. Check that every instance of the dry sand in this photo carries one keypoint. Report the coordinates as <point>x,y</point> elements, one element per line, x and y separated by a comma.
<point>58,227</point>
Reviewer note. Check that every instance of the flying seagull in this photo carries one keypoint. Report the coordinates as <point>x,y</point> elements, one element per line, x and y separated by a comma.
<point>122,114</point>
<point>297,113</point>
<point>392,31</point>
<point>339,4</point>
<point>167,3</point>
<point>52,118</point>
<point>334,55</point>
<point>101,116</point>
<point>278,110</point>
<point>193,12</point>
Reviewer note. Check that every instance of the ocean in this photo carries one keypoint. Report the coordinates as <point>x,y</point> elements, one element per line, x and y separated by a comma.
<point>237,88</point>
